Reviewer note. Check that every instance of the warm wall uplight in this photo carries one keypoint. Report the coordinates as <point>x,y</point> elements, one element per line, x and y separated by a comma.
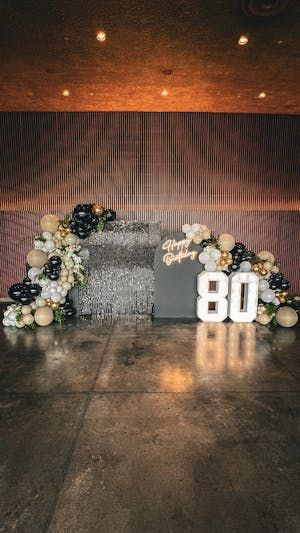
<point>243,40</point>
<point>262,95</point>
<point>101,36</point>
<point>164,92</point>
<point>66,92</point>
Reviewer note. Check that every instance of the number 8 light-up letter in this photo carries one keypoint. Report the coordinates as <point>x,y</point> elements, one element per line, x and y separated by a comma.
<point>212,304</point>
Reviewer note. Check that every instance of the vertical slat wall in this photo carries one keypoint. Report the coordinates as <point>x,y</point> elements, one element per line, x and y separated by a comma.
<point>236,173</point>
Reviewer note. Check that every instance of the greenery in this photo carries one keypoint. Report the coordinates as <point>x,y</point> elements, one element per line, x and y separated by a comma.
<point>59,316</point>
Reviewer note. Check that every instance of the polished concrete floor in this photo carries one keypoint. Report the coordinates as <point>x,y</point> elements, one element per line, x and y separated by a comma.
<point>150,426</point>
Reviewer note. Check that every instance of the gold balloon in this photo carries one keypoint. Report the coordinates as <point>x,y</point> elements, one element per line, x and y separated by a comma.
<point>229,261</point>
<point>223,262</point>
<point>98,209</point>
<point>263,271</point>
<point>49,223</point>
<point>286,317</point>
<point>60,227</point>
<point>255,268</point>
<point>36,258</point>
<point>224,254</point>
<point>282,299</point>
<point>54,306</point>
<point>43,316</point>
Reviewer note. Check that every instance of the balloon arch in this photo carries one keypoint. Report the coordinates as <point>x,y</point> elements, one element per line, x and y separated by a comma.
<point>56,266</point>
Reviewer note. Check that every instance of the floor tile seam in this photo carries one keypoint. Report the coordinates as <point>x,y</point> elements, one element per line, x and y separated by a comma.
<point>198,393</point>
<point>74,443</point>
<point>25,395</point>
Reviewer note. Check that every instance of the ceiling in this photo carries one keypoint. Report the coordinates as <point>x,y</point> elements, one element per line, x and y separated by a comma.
<point>159,55</point>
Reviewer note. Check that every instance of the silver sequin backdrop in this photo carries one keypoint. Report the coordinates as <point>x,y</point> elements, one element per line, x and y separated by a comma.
<point>237,173</point>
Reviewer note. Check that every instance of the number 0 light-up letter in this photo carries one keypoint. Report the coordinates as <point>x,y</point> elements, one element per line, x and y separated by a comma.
<point>243,296</point>
<point>212,302</point>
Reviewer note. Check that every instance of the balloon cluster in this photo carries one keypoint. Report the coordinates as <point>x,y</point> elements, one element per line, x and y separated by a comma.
<point>86,218</point>
<point>25,292</point>
<point>241,258</point>
<point>53,267</point>
<point>278,282</point>
<point>196,232</point>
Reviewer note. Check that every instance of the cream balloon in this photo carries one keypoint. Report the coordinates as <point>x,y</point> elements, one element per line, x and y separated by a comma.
<point>71,238</point>
<point>49,223</point>
<point>263,319</point>
<point>266,256</point>
<point>226,242</point>
<point>43,316</point>
<point>28,319</point>
<point>36,258</point>
<point>26,310</point>
<point>286,317</point>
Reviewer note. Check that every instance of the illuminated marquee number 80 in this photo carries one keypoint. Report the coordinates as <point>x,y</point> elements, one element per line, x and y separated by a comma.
<point>242,291</point>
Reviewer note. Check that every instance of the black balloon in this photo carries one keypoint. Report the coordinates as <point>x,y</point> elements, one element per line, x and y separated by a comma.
<point>110,215</point>
<point>34,290</point>
<point>15,291</point>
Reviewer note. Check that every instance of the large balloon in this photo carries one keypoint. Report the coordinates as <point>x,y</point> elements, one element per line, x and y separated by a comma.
<point>286,317</point>
<point>268,295</point>
<point>43,316</point>
<point>49,223</point>
<point>226,242</point>
<point>266,256</point>
<point>36,258</point>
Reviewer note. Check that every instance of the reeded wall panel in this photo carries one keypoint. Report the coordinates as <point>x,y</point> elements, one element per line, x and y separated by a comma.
<point>236,173</point>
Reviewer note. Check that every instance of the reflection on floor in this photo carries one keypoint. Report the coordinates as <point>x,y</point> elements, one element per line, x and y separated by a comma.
<point>159,426</point>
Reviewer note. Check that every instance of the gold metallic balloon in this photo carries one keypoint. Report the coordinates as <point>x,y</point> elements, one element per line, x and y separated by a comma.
<point>224,254</point>
<point>98,209</point>
<point>54,306</point>
<point>263,271</point>
<point>255,268</point>
<point>223,262</point>
<point>60,227</point>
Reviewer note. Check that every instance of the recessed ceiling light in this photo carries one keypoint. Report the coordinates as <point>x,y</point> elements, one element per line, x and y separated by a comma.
<point>262,94</point>
<point>243,40</point>
<point>164,92</point>
<point>101,36</point>
<point>66,92</point>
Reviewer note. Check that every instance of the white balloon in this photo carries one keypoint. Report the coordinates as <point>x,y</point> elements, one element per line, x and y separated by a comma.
<point>33,272</point>
<point>263,285</point>
<point>47,235</point>
<point>53,284</point>
<point>46,293</point>
<point>196,227</point>
<point>276,301</point>
<point>245,266</point>
<point>268,295</point>
<point>215,254</point>
<point>190,234</point>
<point>210,266</point>
<point>186,228</point>
<point>6,321</point>
<point>53,290</point>
<point>55,297</point>
<point>38,244</point>
<point>204,257</point>
<point>49,245</point>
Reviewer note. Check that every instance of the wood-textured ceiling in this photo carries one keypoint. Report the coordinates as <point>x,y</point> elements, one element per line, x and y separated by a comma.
<point>188,48</point>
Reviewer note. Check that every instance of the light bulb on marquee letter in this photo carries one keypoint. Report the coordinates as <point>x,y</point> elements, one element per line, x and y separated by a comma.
<point>218,296</point>
<point>243,311</point>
